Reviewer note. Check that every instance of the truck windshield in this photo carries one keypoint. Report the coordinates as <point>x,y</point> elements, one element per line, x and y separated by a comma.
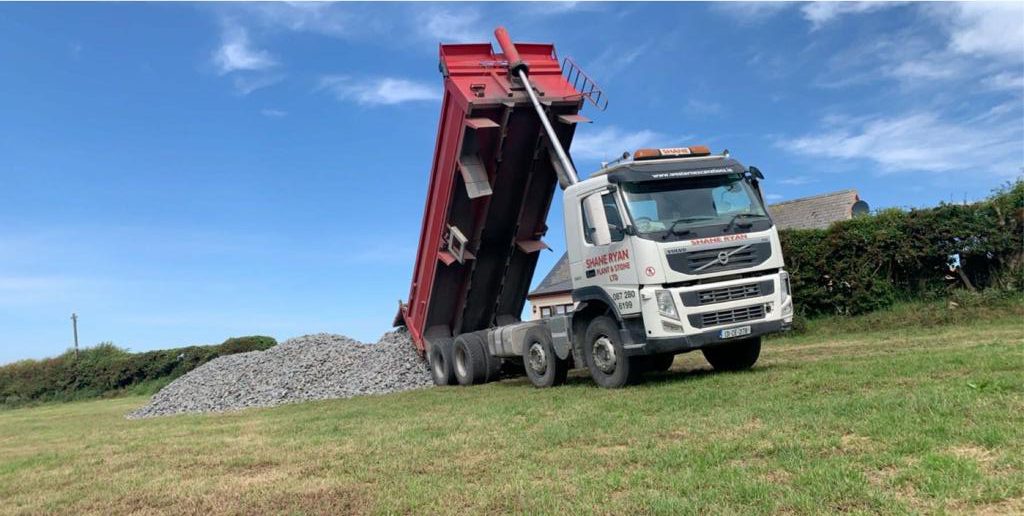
<point>694,207</point>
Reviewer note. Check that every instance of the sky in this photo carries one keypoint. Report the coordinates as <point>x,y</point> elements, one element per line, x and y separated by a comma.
<point>178,174</point>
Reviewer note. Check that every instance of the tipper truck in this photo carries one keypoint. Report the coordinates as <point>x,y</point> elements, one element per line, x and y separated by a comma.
<point>670,250</point>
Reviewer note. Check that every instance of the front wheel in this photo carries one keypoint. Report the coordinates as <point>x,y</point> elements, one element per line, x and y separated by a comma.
<point>606,359</point>
<point>734,356</point>
<point>543,367</point>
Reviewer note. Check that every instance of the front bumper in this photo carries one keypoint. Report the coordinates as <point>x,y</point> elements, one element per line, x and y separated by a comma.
<point>682,343</point>
<point>704,310</point>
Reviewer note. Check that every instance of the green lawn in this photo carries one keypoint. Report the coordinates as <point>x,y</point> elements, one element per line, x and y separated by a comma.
<point>925,419</point>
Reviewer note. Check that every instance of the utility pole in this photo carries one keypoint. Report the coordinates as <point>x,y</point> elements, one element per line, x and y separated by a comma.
<point>74,327</point>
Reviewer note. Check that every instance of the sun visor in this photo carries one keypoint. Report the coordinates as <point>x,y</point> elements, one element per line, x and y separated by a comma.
<point>678,169</point>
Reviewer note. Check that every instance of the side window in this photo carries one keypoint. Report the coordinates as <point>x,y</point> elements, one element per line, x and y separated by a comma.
<point>611,214</point>
<point>601,231</point>
<point>545,311</point>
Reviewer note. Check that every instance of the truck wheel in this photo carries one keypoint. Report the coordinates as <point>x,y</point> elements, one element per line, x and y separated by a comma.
<point>734,356</point>
<point>607,361</point>
<point>470,360</point>
<point>440,360</point>
<point>659,363</point>
<point>493,363</point>
<point>543,366</point>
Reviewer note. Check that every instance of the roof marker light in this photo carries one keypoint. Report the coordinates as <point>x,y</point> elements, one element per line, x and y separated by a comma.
<point>671,152</point>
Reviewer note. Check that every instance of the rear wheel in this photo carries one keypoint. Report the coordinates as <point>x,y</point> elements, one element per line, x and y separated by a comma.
<point>734,356</point>
<point>606,359</point>
<point>470,360</point>
<point>440,360</point>
<point>543,366</point>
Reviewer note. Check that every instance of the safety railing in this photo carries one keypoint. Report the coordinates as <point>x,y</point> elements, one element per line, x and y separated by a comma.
<point>584,84</point>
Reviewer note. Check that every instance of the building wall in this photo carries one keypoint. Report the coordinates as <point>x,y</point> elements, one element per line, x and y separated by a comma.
<point>551,302</point>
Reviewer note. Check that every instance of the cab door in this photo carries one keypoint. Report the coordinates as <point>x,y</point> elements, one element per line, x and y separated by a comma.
<point>605,259</point>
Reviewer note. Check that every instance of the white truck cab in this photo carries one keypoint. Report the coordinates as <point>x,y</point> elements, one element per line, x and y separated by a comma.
<point>676,250</point>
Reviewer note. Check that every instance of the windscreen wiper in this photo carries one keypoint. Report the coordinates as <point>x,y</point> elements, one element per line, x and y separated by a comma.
<point>684,231</point>
<point>732,221</point>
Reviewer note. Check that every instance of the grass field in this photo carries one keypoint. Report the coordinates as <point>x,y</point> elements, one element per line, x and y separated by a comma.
<point>919,419</point>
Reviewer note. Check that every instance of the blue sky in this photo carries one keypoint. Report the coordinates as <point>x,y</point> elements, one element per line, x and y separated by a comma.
<point>180,173</point>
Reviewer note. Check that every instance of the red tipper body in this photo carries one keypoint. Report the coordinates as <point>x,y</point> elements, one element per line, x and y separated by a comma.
<point>490,188</point>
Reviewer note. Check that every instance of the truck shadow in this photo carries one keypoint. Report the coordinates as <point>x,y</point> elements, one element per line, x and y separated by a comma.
<point>675,375</point>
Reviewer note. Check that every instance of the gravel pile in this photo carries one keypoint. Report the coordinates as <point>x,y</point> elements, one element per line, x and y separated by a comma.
<point>313,367</point>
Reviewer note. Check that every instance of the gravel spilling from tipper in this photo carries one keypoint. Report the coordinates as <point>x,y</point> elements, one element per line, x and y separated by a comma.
<point>313,367</point>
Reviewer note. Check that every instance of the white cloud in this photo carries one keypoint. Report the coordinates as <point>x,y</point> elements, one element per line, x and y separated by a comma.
<point>378,91</point>
<point>615,60</point>
<point>773,197</point>
<point>317,17</point>
<point>247,83</point>
<point>797,180</point>
<point>610,142</point>
<point>450,26</point>
<point>703,107</point>
<point>237,54</point>
<point>993,29</point>
<point>821,13</point>
<point>923,142</point>
<point>1005,81</point>
<point>748,13</point>
<point>273,113</point>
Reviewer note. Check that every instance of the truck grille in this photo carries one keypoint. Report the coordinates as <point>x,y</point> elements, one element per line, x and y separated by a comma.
<point>708,260</point>
<point>747,313</point>
<point>719,295</point>
<point>732,293</point>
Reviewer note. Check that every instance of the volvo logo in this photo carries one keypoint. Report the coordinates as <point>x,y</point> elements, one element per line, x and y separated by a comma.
<point>723,257</point>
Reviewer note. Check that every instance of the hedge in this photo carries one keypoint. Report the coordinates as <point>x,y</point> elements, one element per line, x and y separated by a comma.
<point>106,370</point>
<point>867,263</point>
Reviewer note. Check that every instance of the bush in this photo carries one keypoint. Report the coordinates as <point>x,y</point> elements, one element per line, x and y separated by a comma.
<point>869,263</point>
<point>107,370</point>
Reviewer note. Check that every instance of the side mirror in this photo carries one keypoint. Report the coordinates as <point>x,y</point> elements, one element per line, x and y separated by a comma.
<point>756,172</point>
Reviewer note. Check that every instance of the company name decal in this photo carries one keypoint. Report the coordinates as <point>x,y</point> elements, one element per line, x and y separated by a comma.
<point>719,239</point>
<point>610,263</point>
<point>610,258</point>
<point>688,173</point>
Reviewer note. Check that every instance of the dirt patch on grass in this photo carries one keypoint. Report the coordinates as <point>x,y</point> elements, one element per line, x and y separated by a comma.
<point>352,499</point>
<point>853,443</point>
<point>978,454</point>
<point>1004,507</point>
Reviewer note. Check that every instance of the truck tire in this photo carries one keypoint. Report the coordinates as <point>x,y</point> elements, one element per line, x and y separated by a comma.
<point>543,367</point>
<point>606,359</point>
<point>658,363</point>
<point>440,360</point>
<point>494,363</point>
<point>734,356</point>
<point>469,359</point>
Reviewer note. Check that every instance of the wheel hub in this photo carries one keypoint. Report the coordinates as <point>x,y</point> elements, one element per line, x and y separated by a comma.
<point>460,363</point>
<point>538,359</point>
<point>604,355</point>
<point>439,367</point>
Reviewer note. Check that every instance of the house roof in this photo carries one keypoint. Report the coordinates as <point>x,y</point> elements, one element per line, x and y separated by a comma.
<point>557,281</point>
<point>816,211</point>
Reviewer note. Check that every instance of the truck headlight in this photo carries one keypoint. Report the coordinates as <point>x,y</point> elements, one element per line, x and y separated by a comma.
<point>666,305</point>
<point>784,280</point>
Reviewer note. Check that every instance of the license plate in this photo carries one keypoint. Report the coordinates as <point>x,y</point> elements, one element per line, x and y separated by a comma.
<point>735,332</point>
